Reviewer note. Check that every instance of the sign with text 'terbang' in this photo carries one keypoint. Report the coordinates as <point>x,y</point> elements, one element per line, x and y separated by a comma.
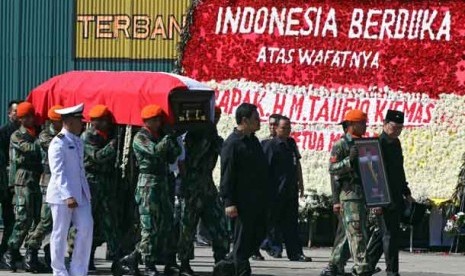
<point>128,29</point>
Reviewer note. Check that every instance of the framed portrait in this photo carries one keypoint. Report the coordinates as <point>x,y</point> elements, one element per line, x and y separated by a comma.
<point>372,172</point>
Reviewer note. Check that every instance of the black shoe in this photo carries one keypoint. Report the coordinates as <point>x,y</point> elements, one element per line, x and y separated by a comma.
<point>258,257</point>
<point>150,269</point>
<point>186,269</point>
<point>171,269</point>
<point>31,262</point>
<point>273,254</point>
<point>118,269</point>
<point>92,266</point>
<point>301,258</point>
<point>91,260</point>
<point>8,259</point>
<point>224,268</point>
<point>129,264</point>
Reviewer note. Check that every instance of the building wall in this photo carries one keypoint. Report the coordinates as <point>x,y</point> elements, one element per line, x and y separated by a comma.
<point>37,41</point>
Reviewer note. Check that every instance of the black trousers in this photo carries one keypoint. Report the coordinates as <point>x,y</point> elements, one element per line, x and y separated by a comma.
<point>8,216</point>
<point>385,239</point>
<point>285,218</point>
<point>249,232</point>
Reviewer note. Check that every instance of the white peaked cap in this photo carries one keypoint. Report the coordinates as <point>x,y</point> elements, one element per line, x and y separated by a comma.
<point>71,111</point>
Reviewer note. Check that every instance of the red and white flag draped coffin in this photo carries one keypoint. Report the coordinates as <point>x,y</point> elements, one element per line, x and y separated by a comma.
<point>125,94</point>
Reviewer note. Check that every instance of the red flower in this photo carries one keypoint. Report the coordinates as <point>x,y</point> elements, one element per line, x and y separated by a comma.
<point>410,65</point>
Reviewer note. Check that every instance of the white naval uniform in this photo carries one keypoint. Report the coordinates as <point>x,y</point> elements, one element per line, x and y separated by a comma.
<point>66,158</point>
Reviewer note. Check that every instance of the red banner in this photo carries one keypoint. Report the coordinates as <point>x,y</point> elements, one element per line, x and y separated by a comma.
<point>414,46</point>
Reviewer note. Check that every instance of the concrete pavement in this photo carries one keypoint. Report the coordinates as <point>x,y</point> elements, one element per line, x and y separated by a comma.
<point>428,264</point>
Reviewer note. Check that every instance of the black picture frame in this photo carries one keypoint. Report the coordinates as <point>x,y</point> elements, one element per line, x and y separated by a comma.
<point>372,172</point>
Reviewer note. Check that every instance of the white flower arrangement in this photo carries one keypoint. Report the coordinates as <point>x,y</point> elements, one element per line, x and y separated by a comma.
<point>432,153</point>
<point>455,224</point>
<point>313,205</point>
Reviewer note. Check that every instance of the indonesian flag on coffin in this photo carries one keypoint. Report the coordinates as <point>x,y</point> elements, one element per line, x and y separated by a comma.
<point>125,93</point>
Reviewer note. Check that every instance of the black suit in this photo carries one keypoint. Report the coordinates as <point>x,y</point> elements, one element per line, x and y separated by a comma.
<point>386,236</point>
<point>244,172</point>
<point>6,196</point>
<point>282,158</point>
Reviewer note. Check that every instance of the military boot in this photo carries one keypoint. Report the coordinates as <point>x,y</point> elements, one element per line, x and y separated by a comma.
<point>171,267</point>
<point>128,265</point>
<point>186,269</point>
<point>150,269</point>
<point>47,257</point>
<point>17,255</point>
<point>9,260</point>
<point>91,260</point>
<point>31,262</point>
<point>224,268</point>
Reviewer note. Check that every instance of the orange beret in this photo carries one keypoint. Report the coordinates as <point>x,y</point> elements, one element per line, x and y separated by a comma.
<point>218,110</point>
<point>52,115</point>
<point>24,108</point>
<point>355,115</point>
<point>151,111</point>
<point>98,111</point>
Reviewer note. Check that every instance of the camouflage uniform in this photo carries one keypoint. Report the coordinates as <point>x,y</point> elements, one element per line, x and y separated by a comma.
<point>99,162</point>
<point>354,213</point>
<point>340,253</point>
<point>45,225</point>
<point>201,198</point>
<point>152,193</point>
<point>25,171</point>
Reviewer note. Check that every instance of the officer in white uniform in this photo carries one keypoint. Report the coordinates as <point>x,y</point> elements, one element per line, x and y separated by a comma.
<point>69,196</point>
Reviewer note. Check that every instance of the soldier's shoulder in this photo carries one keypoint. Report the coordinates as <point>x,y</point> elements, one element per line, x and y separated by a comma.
<point>89,134</point>
<point>16,135</point>
<point>340,143</point>
<point>45,133</point>
<point>141,136</point>
<point>140,133</point>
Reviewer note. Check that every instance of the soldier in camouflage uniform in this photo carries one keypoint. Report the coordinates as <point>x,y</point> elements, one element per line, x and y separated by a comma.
<point>154,152</point>
<point>25,171</point>
<point>45,225</point>
<point>201,198</point>
<point>99,162</point>
<point>340,253</point>
<point>343,167</point>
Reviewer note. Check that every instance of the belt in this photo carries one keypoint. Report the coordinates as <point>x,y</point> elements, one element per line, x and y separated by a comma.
<point>154,172</point>
<point>38,169</point>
